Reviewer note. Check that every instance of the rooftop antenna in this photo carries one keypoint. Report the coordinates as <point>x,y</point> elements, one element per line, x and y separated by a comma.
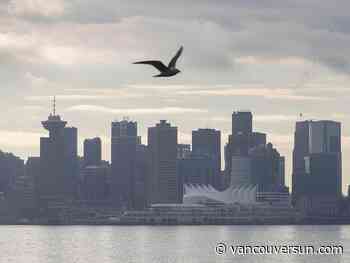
<point>54,105</point>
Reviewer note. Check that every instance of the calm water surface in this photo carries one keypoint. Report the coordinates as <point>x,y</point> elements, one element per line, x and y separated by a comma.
<point>153,244</point>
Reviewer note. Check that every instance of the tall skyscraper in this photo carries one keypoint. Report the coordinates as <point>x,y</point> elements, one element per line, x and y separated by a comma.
<point>164,185</point>
<point>317,175</point>
<point>240,142</point>
<point>53,182</point>
<point>207,142</point>
<point>58,161</point>
<point>71,166</point>
<point>124,142</point>
<point>92,152</point>
<point>142,173</point>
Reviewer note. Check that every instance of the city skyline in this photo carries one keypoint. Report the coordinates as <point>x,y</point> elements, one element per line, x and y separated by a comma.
<point>82,52</point>
<point>108,145</point>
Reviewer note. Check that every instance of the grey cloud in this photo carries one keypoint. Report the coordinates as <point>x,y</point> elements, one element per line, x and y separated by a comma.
<point>268,28</point>
<point>213,34</point>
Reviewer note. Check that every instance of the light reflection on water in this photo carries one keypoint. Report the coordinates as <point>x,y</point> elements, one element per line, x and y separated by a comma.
<point>153,244</point>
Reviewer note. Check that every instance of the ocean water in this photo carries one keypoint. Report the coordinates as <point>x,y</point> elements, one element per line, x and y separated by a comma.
<point>163,244</point>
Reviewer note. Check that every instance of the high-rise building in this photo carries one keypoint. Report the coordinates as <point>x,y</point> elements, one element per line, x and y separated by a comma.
<point>142,173</point>
<point>267,168</point>
<point>71,165</point>
<point>124,142</point>
<point>207,143</point>
<point>300,151</point>
<point>317,163</point>
<point>92,152</point>
<point>53,182</point>
<point>313,137</point>
<point>164,185</point>
<point>58,162</point>
<point>263,167</point>
<point>241,141</point>
<point>242,129</point>
<point>242,122</point>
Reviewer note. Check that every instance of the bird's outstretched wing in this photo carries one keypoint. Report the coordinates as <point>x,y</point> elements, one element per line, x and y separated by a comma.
<point>155,63</point>
<point>172,63</point>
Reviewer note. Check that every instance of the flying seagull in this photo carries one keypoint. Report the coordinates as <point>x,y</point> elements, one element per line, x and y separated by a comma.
<point>165,71</point>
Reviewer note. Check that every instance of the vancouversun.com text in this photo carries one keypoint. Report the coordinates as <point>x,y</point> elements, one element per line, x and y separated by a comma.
<point>223,248</point>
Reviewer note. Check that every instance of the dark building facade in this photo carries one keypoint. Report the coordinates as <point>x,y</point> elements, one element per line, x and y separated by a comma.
<point>124,128</point>
<point>207,143</point>
<point>142,174</point>
<point>92,152</point>
<point>11,167</point>
<point>197,169</point>
<point>317,173</point>
<point>164,185</point>
<point>71,166</point>
<point>94,186</point>
<point>32,168</point>
<point>32,171</point>
<point>321,168</point>
<point>300,151</point>
<point>25,198</point>
<point>124,143</point>
<point>241,140</point>
<point>267,167</point>
<point>53,181</point>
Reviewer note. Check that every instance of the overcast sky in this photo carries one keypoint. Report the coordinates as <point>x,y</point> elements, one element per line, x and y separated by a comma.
<point>275,58</point>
